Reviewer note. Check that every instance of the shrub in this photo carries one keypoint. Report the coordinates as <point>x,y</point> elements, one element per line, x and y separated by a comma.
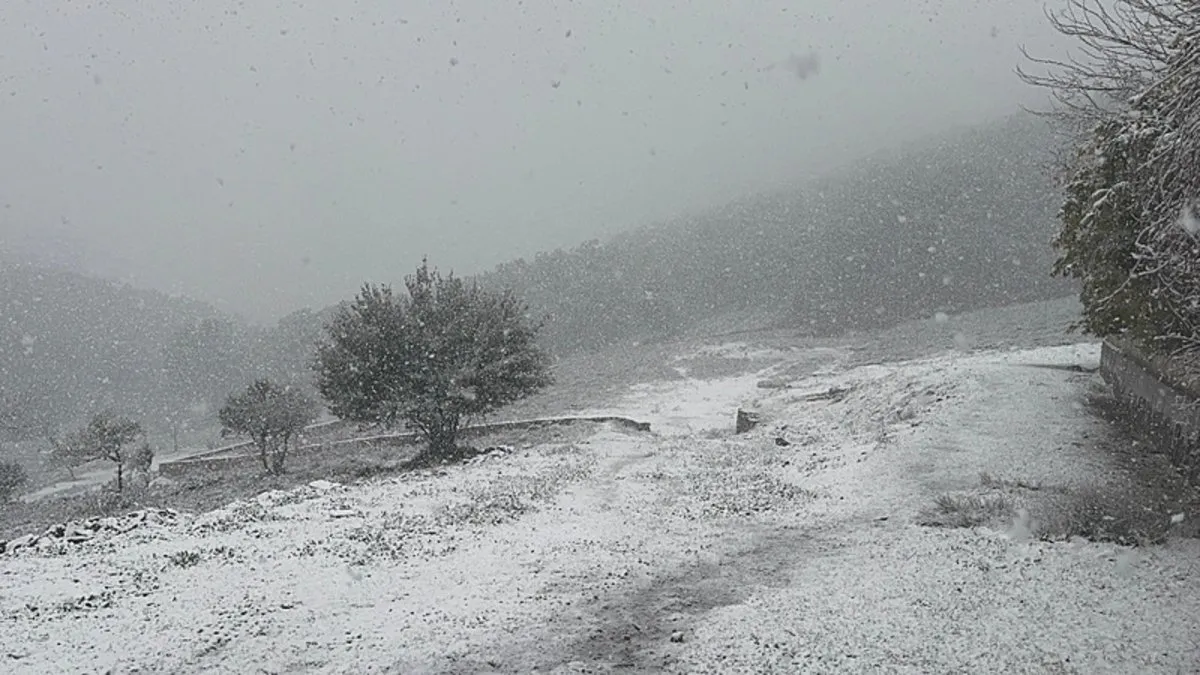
<point>965,510</point>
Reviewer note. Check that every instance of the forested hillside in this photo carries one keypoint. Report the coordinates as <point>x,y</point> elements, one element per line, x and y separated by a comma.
<point>956,223</point>
<point>72,345</point>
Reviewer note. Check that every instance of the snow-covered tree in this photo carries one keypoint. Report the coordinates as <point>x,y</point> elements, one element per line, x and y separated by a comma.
<point>447,353</point>
<point>107,436</point>
<point>1102,214</point>
<point>272,416</point>
<point>1129,227</point>
<point>1168,247</point>
<point>1121,47</point>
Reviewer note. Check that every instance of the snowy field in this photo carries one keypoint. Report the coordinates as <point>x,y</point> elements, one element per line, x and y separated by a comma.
<point>797,547</point>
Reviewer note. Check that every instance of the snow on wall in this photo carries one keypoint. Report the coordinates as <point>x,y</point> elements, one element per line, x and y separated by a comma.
<point>248,457</point>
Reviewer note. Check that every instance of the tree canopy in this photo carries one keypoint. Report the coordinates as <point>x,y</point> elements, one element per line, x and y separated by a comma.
<point>446,353</point>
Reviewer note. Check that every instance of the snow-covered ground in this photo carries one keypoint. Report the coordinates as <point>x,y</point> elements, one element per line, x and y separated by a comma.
<point>794,548</point>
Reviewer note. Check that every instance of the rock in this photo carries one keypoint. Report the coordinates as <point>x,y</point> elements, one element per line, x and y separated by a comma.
<point>746,420</point>
<point>27,541</point>
<point>322,485</point>
<point>161,484</point>
<point>77,535</point>
<point>782,442</point>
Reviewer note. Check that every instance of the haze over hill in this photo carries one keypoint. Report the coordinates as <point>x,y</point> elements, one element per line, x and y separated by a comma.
<point>265,157</point>
<point>72,345</point>
<point>961,221</point>
<point>958,222</point>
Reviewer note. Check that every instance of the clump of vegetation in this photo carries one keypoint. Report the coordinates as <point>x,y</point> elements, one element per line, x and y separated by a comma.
<point>12,478</point>
<point>968,510</point>
<point>184,558</point>
<point>437,359</point>
<point>1105,514</point>
<point>190,558</point>
<point>1098,513</point>
<point>272,416</point>
<point>1129,227</point>
<point>486,508</point>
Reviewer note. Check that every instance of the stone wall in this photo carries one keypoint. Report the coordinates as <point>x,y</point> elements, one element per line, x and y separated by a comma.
<point>1162,395</point>
<point>245,457</point>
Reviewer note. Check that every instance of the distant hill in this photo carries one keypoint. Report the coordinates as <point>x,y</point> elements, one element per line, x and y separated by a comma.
<point>956,223</point>
<point>72,345</point>
<point>959,222</point>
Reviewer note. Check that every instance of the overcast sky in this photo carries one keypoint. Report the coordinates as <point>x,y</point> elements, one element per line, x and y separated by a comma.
<point>267,156</point>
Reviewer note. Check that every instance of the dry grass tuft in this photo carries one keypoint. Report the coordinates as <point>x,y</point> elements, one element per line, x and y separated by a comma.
<point>968,510</point>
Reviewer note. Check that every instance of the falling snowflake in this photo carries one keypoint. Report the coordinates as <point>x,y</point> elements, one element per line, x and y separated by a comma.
<point>1188,220</point>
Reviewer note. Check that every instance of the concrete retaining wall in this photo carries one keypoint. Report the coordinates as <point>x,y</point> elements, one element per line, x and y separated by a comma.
<point>1162,396</point>
<point>244,457</point>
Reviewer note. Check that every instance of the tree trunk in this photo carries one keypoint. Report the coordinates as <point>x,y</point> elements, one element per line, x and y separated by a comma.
<point>442,439</point>
<point>261,441</point>
<point>279,455</point>
<point>120,476</point>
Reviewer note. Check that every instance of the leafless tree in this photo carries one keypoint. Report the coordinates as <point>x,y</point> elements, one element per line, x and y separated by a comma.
<point>1122,47</point>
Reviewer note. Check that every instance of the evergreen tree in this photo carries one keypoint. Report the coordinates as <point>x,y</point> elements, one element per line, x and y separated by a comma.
<point>442,356</point>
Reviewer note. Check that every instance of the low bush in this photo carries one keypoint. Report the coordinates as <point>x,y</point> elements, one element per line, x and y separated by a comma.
<point>1106,514</point>
<point>969,510</point>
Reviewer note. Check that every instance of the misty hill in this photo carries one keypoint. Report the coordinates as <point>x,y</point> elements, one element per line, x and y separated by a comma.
<point>72,345</point>
<point>956,223</point>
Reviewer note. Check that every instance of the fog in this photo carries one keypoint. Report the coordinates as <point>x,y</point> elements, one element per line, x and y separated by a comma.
<point>270,157</point>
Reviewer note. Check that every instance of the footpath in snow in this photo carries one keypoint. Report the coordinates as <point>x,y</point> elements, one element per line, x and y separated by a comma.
<point>794,548</point>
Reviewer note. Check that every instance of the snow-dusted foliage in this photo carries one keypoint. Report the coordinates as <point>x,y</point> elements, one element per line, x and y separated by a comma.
<point>1168,247</point>
<point>1102,213</point>
<point>271,416</point>
<point>1128,221</point>
<point>444,354</point>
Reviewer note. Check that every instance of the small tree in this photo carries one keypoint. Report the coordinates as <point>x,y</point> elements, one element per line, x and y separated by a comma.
<point>141,461</point>
<point>108,437</point>
<point>446,354</point>
<point>12,478</point>
<point>272,416</point>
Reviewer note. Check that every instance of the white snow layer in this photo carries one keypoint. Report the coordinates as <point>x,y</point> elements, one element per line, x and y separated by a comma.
<point>686,550</point>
